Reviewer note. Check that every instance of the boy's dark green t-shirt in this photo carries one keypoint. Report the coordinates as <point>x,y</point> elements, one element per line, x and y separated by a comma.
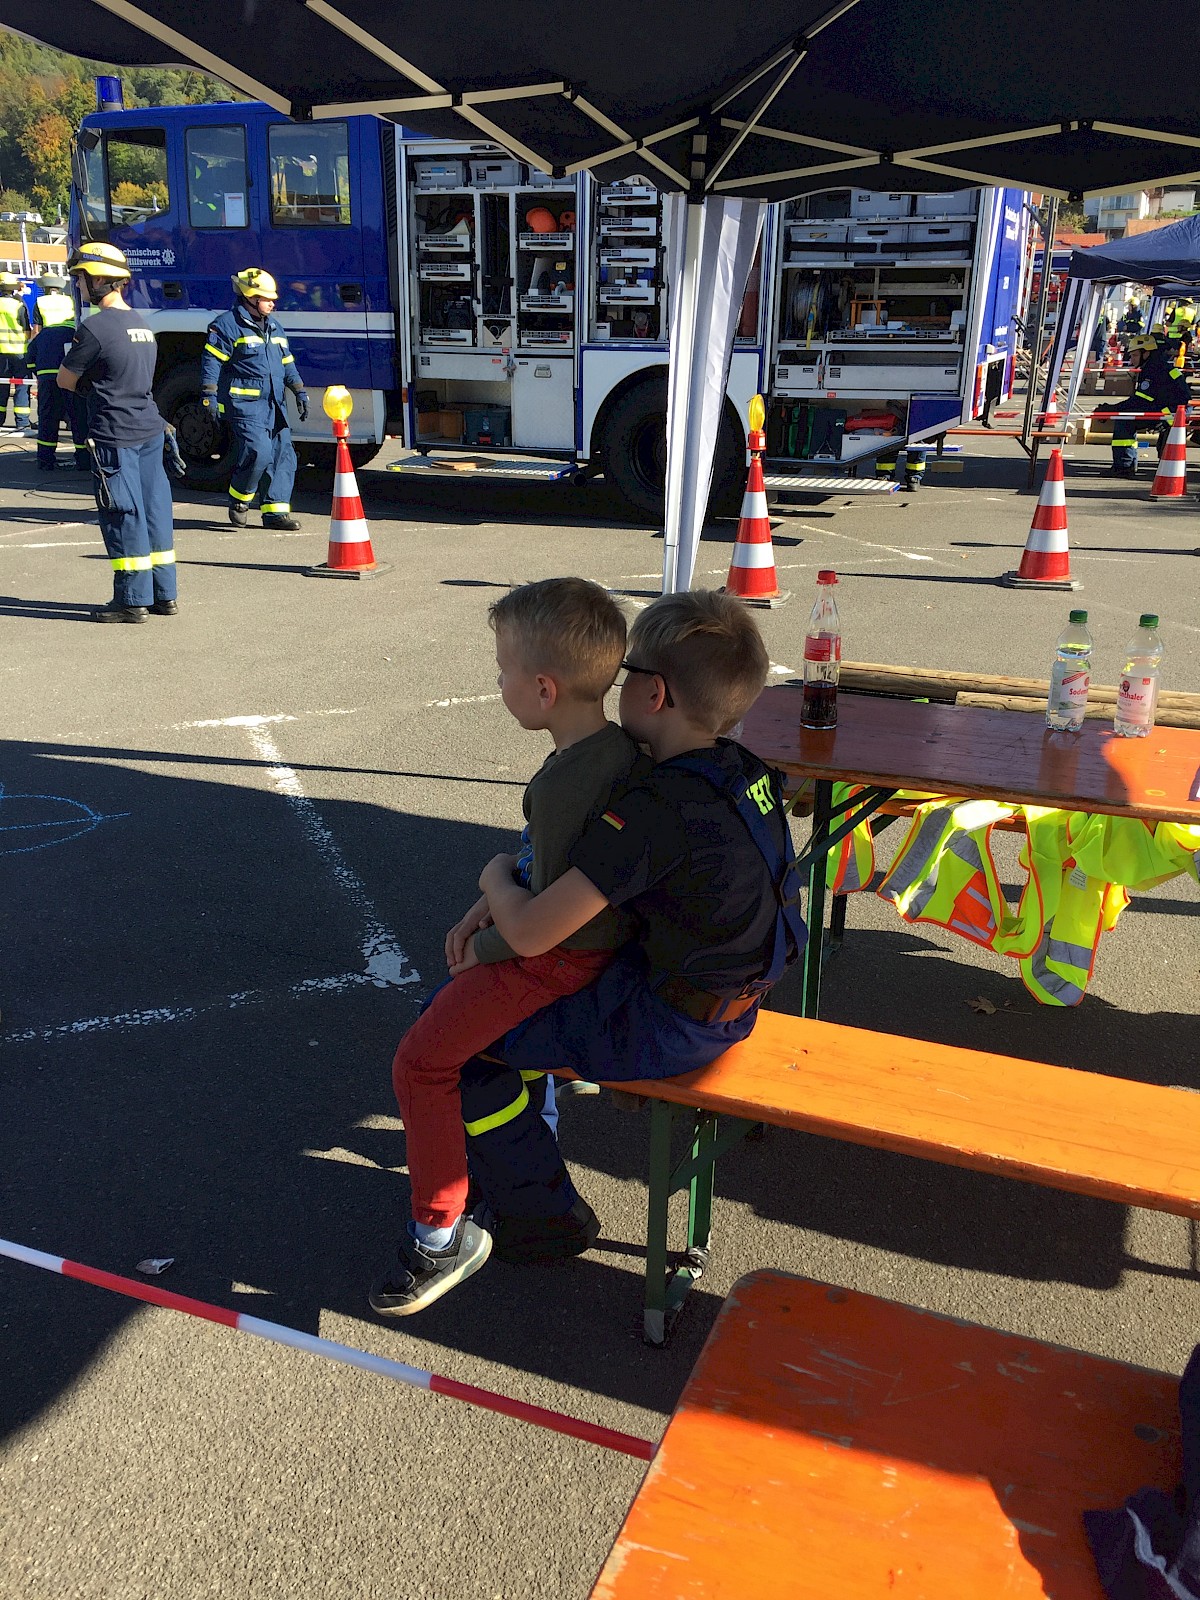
<point>569,791</point>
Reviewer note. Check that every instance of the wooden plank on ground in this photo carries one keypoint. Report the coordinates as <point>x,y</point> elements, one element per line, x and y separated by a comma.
<point>1099,710</point>
<point>936,682</point>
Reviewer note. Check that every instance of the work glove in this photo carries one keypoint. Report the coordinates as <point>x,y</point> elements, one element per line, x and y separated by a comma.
<point>208,401</point>
<point>172,460</point>
<point>302,404</point>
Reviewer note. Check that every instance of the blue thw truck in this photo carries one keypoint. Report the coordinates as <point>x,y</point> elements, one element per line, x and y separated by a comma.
<point>475,306</point>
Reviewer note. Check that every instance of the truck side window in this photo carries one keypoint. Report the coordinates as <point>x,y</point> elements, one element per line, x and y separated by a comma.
<point>216,176</point>
<point>137,174</point>
<point>310,174</point>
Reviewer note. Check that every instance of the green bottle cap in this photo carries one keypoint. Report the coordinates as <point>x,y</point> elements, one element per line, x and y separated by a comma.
<point>1147,620</point>
<point>1078,616</point>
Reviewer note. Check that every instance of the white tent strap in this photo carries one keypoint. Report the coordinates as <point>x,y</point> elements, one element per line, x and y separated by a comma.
<point>1068,314</point>
<point>1087,329</point>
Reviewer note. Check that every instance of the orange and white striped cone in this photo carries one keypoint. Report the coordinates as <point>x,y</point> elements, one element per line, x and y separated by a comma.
<point>1046,562</point>
<point>1170,481</point>
<point>752,570</point>
<point>350,553</point>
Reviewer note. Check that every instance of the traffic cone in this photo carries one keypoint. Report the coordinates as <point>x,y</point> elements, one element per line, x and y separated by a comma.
<point>1046,563</point>
<point>752,570</point>
<point>1170,481</point>
<point>350,553</point>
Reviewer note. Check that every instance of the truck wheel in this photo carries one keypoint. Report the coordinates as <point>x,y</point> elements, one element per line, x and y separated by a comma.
<point>204,440</point>
<point>633,452</point>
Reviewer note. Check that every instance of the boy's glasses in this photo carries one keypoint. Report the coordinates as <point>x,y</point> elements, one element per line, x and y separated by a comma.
<point>651,672</point>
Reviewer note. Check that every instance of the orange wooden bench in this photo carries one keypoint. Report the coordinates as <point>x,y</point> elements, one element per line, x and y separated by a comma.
<point>1135,1143</point>
<point>829,1444</point>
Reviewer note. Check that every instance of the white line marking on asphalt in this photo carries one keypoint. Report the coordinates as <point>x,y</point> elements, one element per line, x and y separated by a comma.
<point>781,672</point>
<point>229,1002</point>
<point>261,722</point>
<point>387,964</point>
<point>351,1158</point>
<point>462,700</point>
<point>872,544</point>
<point>53,544</point>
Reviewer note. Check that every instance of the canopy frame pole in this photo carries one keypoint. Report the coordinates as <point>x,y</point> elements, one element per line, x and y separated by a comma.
<point>1046,221</point>
<point>679,380</point>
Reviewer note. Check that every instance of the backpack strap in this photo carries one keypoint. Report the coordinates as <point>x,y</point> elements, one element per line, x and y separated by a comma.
<point>756,801</point>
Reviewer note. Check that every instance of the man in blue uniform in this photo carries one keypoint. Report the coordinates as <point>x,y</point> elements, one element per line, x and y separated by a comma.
<point>54,329</point>
<point>245,368</point>
<point>112,359</point>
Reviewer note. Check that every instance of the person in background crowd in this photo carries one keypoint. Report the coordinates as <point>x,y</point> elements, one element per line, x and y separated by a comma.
<point>14,337</point>
<point>53,331</point>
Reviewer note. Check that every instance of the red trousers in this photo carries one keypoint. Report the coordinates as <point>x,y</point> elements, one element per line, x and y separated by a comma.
<point>466,1015</point>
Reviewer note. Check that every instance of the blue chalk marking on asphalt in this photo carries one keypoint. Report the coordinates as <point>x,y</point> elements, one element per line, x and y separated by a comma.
<point>79,820</point>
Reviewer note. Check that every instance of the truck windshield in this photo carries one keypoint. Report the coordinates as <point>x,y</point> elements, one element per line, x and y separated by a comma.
<point>88,175</point>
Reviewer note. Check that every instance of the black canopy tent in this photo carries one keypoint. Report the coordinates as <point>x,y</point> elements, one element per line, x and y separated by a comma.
<point>749,102</point>
<point>1167,258</point>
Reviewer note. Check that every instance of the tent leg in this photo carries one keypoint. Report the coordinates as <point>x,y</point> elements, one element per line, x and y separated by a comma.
<point>679,388</point>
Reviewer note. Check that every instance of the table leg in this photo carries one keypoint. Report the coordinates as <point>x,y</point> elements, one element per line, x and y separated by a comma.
<point>655,1314</point>
<point>817,851</point>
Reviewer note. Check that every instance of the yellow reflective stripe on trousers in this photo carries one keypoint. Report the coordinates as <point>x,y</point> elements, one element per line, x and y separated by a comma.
<point>530,1077</point>
<point>162,558</point>
<point>238,495</point>
<point>497,1119</point>
<point>213,351</point>
<point>132,563</point>
<point>277,509</point>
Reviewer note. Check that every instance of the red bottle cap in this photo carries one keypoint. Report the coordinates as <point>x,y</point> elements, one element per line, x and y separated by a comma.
<point>827,577</point>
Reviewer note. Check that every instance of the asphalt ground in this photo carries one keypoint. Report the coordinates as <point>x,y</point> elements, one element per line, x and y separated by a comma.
<point>231,844</point>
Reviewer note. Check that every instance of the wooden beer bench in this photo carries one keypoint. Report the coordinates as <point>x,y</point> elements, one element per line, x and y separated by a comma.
<point>831,1444</point>
<point>1137,1144</point>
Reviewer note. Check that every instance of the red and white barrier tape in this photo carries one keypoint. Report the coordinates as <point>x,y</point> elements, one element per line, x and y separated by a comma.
<point>347,1355</point>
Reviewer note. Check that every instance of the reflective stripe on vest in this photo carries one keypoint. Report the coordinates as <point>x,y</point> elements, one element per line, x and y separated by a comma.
<point>944,873</point>
<point>850,865</point>
<point>12,334</point>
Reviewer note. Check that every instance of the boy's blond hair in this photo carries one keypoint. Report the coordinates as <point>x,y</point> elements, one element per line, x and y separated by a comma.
<point>708,648</point>
<point>568,628</point>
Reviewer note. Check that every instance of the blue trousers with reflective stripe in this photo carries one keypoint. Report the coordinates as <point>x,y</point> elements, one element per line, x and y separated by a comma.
<point>139,527</point>
<point>266,461</point>
<point>56,406</point>
<point>616,1030</point>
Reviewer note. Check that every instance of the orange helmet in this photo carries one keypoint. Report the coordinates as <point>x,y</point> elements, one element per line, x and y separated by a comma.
<point>539,220</point>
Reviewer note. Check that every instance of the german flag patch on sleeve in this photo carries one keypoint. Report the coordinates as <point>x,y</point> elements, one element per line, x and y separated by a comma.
<point>613,820</point>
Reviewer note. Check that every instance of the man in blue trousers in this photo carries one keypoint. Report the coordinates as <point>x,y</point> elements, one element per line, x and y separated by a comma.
<point>111,360</point>
<point>244,371</point>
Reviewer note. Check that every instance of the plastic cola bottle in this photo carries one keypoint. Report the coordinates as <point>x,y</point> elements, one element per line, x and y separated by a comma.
<point>1137,692</point>
<point>822,658</point>
<point>1070,676</point>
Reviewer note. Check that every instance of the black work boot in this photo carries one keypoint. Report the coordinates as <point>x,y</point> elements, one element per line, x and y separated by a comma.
<point>165,608</point>
<point>282,522</point>
<point>238,515</point>
<point>529,1239</point>
<point>112,612</point>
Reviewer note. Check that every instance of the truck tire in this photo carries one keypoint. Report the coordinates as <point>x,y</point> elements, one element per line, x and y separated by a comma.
<point>204,441</point>
<point>633,453</point>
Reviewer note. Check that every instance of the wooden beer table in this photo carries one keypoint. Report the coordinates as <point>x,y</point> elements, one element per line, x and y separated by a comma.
<point>970,752</point>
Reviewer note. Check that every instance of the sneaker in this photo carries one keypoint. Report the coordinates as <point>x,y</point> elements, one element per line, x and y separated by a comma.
<point>239,516</point>
<point>165,608</point>
<point>116,613</point>
<point>529,1239</point>
<point>417,1276</point>
<point>283,524</point>
<point>566,1088</point>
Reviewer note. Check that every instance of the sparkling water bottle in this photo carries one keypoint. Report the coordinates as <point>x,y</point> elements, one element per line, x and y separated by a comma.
<point>1070,676</point>
<point>1137,692</point>
<point>822,658</point>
